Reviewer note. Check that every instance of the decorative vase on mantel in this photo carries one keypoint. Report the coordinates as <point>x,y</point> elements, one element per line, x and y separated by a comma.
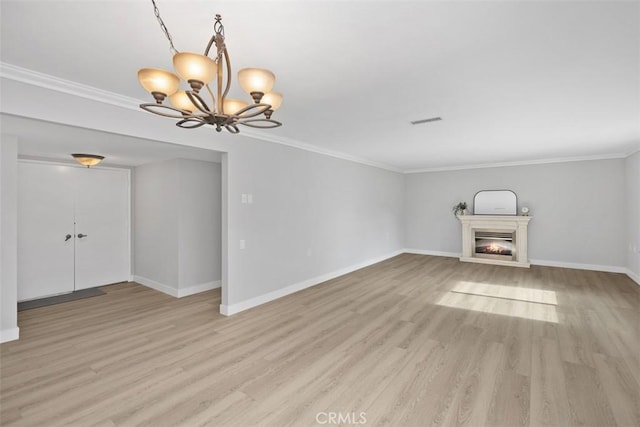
<point>460,209</point>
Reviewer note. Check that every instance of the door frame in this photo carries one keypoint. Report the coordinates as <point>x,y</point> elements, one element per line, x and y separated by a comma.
<point>127,170</point>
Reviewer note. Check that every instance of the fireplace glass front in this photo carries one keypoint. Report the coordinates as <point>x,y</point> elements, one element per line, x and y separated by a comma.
<point>495,245</point>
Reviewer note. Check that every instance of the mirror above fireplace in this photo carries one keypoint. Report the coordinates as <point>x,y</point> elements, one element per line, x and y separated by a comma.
<point>495,202</point>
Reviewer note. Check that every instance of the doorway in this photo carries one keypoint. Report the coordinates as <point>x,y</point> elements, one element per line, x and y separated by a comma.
<point>73,228</point>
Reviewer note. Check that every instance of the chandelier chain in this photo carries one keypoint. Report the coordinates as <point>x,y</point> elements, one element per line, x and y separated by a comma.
<point>163,27</point>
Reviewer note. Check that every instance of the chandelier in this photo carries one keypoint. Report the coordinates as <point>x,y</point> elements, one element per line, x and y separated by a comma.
<point>198,71</point>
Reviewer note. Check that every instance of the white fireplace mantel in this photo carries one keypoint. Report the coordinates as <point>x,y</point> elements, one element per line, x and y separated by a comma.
<point>517,224</point>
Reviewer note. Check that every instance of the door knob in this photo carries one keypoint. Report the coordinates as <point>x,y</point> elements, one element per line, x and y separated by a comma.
<point>80,236</point>
<point>67,237</point>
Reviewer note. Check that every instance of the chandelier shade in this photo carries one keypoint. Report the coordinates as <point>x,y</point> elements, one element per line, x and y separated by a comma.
<point>232,106</point>
<point>256,81</point>
<point>181,101</point>
<point>159,83</point>
<point>197,70</point>
<point>208,79</point>
<point>274,99</point>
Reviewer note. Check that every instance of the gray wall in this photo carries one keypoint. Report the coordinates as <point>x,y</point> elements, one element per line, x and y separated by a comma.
<point>199,211</point>
<point>312,214</point>
<point>155,218</point>
<point>578,209</point>
<point>632,169</point>
<point>8,237</point>
<point>177,229</point>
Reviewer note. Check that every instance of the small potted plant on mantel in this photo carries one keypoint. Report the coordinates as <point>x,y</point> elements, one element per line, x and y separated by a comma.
<point>460,209</point>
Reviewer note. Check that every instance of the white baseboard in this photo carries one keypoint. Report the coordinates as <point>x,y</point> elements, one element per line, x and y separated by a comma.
<point>546,263</point>
<point>177,293</point>
<point>578,266</point>
<point>9,334</point>
<point>196,289</point>
<point>165,289</point>
<point>434,253</point>
<point>229,310</point>
<point>592,267</point>
<point>633,276</point>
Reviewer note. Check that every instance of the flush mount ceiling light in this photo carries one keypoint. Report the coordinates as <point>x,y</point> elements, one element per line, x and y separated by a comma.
<point>88,160</point>
<point>198,71</point>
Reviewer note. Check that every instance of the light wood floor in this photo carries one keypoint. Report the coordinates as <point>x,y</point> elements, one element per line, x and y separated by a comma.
<point>415,341</point>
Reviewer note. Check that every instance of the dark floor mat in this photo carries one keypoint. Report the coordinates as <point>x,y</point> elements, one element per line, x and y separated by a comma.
<point>58,299</point>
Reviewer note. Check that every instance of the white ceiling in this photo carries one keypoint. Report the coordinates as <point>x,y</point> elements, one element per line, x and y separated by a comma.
<point>47,140</point>
<point>513,81</point>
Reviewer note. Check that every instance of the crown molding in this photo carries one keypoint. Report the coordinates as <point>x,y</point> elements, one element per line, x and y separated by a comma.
<point>315,149</point>
<point>521,163</point>
<point>632,152</point>
<point>46,81</point>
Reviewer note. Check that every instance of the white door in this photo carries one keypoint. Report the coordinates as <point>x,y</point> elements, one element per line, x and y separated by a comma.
<point>89,205</point>
<point>102,227</point>
<point>45,230</point>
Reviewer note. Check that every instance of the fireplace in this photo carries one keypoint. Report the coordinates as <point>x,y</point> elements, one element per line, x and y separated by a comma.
<point>495,244</point>
<point>495,239</point>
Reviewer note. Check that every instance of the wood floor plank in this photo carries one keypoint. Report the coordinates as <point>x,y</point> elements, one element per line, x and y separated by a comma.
<point>587,400</point>
<point>415,340</point>
<point>549,393</point>
<point>620,388</point>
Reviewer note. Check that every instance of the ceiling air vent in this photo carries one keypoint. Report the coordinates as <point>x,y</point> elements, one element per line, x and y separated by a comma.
<point>432,119</point>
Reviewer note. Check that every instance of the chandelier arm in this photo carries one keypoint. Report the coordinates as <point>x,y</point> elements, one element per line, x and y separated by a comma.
<point>211,41</point>
<point>198,122</point>
<point>150,107</point>
<point>228,62</point>
<point>220,108</point>
<point>232,128</point>
<point>252,110</point>
<point>218,37</point>
<point>213,98</point>
<point>269,124</point>
<point>198,102</point>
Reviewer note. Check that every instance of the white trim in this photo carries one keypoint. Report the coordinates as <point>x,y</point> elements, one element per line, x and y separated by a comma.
<point>165,289</point>
<point>433,253</point>
<point>9,334</point>
<point>578,266</point>
<point>73,164</point>
<point>177,293</point>
<point>315,149</point>
<point>47,81</point>
<point>196,289</point>
<point>229,310</point>
<point>633,276</point>
<point>522,163</point>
